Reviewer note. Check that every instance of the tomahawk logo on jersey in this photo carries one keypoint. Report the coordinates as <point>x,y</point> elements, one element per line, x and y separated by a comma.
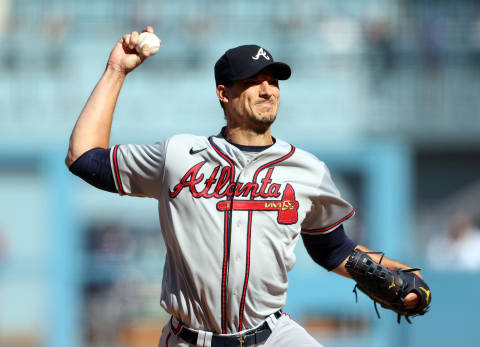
<point>217,184</point>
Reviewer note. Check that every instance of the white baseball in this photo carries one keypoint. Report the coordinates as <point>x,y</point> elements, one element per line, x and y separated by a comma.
<point>150,39</point>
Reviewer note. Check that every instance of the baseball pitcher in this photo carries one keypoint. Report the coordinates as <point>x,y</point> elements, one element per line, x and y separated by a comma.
<point>232,207</point>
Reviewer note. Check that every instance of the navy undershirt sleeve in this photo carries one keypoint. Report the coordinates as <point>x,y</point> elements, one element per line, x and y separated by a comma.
<point>94,168</point>
<point>329,250</point>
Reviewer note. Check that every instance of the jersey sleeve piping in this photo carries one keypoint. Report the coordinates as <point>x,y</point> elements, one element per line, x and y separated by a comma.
<point>116,171</point>
<point>331,227</point>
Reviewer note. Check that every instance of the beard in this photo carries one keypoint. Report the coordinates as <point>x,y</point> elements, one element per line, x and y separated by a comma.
<point>261,123</point>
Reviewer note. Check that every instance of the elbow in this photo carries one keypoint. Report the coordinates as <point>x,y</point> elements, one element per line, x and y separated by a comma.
<point>75,152</point>
<point>68,160</point>
<point>71,157</point>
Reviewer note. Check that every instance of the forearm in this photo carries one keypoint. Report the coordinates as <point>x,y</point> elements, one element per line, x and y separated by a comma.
<point>94,123</point>
<point>387,262</point>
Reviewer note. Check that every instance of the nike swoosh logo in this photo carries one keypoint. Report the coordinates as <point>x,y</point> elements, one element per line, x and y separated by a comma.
<point>195,151</point>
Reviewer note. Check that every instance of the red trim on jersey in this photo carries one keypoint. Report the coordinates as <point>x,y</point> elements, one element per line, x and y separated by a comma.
<point>168,338</point>
<point>226,240</point>
<point>292,150</point>
<point>177,329</point>
<point>226,158</point>
<point>117,171</point>
<point>249,234</point>
<point>322,230</point>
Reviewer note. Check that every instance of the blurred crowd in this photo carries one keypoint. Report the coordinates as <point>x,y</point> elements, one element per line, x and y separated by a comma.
<point>457,247</point>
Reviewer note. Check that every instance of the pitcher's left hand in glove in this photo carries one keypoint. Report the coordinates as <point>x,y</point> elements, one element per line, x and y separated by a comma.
<point>388,287</point>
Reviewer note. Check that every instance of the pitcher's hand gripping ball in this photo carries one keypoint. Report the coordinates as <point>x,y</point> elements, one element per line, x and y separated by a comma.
<point>388,287</point>
<point>149,39</point>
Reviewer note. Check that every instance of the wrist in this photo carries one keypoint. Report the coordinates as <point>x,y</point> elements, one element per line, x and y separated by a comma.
<point>115,71</point>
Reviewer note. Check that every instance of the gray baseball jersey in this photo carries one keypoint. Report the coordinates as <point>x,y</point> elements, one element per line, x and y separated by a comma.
<point>230,223</point>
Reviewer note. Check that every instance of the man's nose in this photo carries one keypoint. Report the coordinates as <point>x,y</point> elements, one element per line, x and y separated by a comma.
<point>265,89</point>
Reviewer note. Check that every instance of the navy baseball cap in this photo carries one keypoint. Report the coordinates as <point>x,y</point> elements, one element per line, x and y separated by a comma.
<point>246,61</point>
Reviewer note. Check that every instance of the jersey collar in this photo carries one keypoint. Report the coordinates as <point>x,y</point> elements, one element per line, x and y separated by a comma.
<point>234,151</point>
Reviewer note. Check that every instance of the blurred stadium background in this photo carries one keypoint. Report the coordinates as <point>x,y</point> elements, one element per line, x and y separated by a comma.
<point>386,92</point>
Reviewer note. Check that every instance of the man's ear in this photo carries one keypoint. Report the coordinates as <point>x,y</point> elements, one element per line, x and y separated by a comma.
<point>222,93</point>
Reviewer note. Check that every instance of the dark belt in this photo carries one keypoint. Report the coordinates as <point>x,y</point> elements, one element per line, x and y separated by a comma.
<point>250,338</point>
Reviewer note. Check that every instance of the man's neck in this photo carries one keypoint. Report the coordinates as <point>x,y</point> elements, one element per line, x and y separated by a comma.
<point>248,137</point>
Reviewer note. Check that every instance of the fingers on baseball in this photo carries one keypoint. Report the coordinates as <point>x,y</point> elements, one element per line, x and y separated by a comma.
<point>126,42</point>
<point>125,39</point>
<point>145,52</point>
<point>133,40</point>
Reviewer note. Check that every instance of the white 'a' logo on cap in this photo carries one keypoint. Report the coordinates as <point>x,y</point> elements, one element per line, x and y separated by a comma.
<point>261,52</point>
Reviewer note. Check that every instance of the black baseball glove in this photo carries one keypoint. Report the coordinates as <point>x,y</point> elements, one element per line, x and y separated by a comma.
<point>388,287</point>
